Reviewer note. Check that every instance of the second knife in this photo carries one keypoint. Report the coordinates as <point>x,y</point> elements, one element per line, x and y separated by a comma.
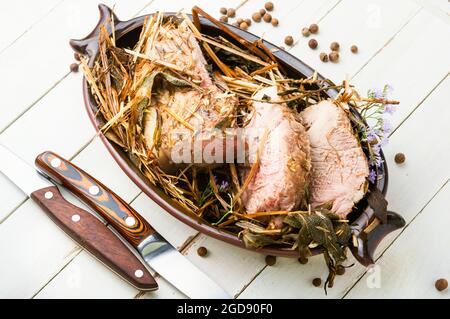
<point>156,251</point>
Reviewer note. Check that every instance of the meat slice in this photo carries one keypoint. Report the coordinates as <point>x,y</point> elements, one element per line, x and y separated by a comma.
<point>339,165</point>
<point>281,180</point>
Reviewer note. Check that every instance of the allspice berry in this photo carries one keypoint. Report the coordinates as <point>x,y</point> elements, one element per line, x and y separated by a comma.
<point>317,282</point>
<point>223,11</point>
<point>231,13</point>
<point>270,260</point>
<point>334,46</point>
<point>354,49</point>
<point>340,270</point>
<point>312,43</point>
<point>243,25</point>
<point>256,17</point>
<point>268,6</point>
<point>441,284</point>
<point>314,28</point>
<point>202,251</point>
<point>248,21</point>
<point>399,158</point>
<point>74,67</point>
<point>306,32</point>
<point>333,56</point>
<point>289,40</point>
<point>275,22</point>
<point>323,57</point>
<point>262,12</point>
<point>303,260</point>
<point>77,56</point>
<point>267,17</point>
<point>223,19</point>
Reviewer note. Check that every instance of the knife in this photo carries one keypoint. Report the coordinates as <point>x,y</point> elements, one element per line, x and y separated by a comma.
<point>156,251</point>
<point>88,231</point>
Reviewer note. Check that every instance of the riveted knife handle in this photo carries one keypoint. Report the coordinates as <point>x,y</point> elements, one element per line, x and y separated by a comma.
<point>94,236</point>
<point>132,226</point>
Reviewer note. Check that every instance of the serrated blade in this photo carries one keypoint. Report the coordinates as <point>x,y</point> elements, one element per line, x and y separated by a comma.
<point>178,270</point>
<point>25,176</point>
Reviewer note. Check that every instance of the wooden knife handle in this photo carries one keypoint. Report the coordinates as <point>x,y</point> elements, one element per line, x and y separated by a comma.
<point>94,236</point>
<point>132,226</point>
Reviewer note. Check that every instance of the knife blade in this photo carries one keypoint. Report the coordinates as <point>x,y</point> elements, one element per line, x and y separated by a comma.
<point>160,255</point>
<point>87,230</point>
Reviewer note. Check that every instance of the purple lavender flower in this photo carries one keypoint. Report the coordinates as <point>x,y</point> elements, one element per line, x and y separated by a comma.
<point>386,127</point>
<point>389,109</point>
<point>378,93</point>
<point>223,186</point>
<point>384,141</point>
<point>372,176</point>
<point>371,135</point>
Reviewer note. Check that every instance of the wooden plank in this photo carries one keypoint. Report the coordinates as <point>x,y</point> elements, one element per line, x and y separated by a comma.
<point>18,17</point>
<point>428,152</point>
<point>416,260</point>
<point>40,60</point>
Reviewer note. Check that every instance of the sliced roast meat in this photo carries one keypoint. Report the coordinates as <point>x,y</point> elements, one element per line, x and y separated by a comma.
<point>282,176</point>
<point>339,165</point>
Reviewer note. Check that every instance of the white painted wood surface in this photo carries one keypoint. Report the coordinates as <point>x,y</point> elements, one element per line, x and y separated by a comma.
<point>404,43</point>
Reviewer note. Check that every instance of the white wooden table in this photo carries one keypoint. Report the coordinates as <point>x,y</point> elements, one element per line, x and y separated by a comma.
<point>405,43</point>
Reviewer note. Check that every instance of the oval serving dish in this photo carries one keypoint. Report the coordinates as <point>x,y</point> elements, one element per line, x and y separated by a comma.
<point>366,228</point>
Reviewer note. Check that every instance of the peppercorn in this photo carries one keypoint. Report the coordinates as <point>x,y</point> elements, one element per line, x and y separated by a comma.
<point>270,260</point>
<point>223,11</point>
<point>306,32</point>
<point>74,67</point>
<point>202,251</point>
<point>243,25</point>
<point>441,284</point>
<point>248,21</point>
<point>256,17</point>
<point>340,270</point>
<point>289,40</point>
<point>399,158</point>
<point>354,49</point>
<point>262,12</point>
<point>312,43</point>
<point>303,260</point>
<point>231,13</point>
<point>275,22</point>
<point>76,56</point>
<point>268,6</point>
<point>313,28</point>
<point>323,57</point>
<point>223,19</point>
<point>317,282</point>
<point>334,46</point>
<point>267,17</point>
<point>333,56</point>
<point>239,20</point>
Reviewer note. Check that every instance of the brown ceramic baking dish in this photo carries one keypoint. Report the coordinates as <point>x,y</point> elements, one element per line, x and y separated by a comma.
<point>368,233</point>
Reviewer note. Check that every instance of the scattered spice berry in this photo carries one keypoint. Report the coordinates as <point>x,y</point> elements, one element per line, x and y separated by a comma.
<point>74,67</point>
<point>256,17</point>
<point>323,57</point>
<point>223,19</point>
<point>441,284</point>
<point>248,21</point>
<point>202,251</point>
<point>231,13</point>
<point>333,56</point>
<point>306,32</point>
<point>312,43</point>
<point>313,28</point>
<point>268,6</point>
<point>289,40</point>
<point>223,11</point>
<point>267,17</point>
<point>317,282</point>
<point>303,260</point>
<point>76,56</point>
<point>239,20</point>
<point>354,49</point>
<point>340,270</point>
<point>275,22</point>
<point>262,12</point>
<point>270,260</point>
<point>243,25</point>
<point>399,158</point>
<point>334,46</point>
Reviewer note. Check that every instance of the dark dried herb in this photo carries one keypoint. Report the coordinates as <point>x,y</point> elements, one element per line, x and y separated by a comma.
<point>378,203</point>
